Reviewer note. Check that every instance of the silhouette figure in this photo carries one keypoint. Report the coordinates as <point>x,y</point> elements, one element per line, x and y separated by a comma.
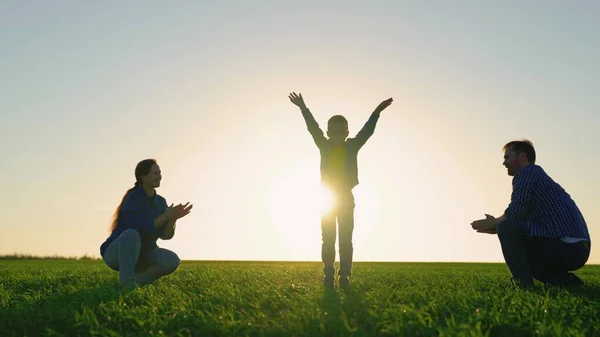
<point>339,173</point>
<point>542,233</point>
<point>142,218</point>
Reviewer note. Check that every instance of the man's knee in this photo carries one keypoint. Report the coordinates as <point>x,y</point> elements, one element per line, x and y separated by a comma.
<point>508,227</point>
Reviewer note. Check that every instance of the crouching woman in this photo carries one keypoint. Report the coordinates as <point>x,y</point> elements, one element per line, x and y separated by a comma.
<point>142,218</point>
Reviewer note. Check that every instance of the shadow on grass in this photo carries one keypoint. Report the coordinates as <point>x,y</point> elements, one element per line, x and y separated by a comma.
<point>587,291</point>
<point>344,312</point>
<point>54,315</point>
<point>331,310</point>
<point>509,330</point>
<point>590,289</point>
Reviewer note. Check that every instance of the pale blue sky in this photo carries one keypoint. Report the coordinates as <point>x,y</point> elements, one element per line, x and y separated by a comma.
<point>90,88</point>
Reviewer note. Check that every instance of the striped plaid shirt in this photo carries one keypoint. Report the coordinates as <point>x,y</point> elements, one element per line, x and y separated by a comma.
<point>545,207</point>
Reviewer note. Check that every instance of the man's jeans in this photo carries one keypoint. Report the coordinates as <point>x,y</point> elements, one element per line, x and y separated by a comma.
<point>343,211</point>
<point>548,260</point>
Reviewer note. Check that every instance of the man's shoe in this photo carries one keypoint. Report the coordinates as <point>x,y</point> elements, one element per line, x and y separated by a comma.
<point>564,280</point>
<point>575,280</point>
<point>569,280</point>
<point>521,284</point>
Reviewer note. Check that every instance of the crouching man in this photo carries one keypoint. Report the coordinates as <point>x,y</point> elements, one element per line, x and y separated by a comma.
<point>542,233</point>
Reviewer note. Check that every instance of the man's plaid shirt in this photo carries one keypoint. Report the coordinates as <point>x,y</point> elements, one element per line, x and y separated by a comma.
<point>545,207</point>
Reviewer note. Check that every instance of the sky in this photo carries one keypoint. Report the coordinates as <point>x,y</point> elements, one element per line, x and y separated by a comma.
<point>88,89</point>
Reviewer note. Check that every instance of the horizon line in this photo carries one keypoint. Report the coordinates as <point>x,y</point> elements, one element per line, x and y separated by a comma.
<point>14,257</point>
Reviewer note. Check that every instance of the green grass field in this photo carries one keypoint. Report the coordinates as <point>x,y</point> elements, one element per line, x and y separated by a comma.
<point>80,298</point>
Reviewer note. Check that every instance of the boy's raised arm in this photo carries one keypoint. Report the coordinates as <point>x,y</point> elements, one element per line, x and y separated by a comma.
<point>369,128</point>
<point>312,125</point>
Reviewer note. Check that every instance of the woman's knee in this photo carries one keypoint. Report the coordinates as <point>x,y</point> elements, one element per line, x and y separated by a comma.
<point>171,261</point>
<point>176,262</point>
<point>111,263</point>
<point>131,236</point>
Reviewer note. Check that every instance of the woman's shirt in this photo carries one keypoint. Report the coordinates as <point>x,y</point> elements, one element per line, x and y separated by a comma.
<point>138,212</point>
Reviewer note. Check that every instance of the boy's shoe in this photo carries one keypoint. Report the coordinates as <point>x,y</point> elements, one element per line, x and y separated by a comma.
<point>344,282</point>
<point>328,282</point>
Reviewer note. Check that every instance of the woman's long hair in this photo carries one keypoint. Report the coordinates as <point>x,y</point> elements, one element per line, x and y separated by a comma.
<point>141,169</point>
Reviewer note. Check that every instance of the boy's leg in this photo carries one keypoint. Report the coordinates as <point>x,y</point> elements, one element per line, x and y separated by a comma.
<point>162,262</point>
<point>122,255</point>
<point>552,260</point>
<point>328,233</point>
<point>513,241</point>
<point>346,228</point>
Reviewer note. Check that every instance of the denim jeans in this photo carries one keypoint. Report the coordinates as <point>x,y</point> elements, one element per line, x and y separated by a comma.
<point>343,212</point>
<point>548,260</point>
<point>122,255</point>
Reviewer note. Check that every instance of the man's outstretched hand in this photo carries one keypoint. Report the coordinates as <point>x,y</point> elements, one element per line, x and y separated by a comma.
<point>383,105</point>
<point>297,100</point>
<point>487,225</point>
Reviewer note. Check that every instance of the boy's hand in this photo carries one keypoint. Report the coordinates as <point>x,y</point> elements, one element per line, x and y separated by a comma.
<point>383,105</point>
<point>297,100</point>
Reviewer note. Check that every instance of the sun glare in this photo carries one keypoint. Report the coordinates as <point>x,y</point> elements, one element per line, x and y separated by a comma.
<point>325,199</point>
<point>295,205</point>
<point>294,208</point>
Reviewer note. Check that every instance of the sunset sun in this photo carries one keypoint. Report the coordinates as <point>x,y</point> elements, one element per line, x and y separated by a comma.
<point>295,205</point>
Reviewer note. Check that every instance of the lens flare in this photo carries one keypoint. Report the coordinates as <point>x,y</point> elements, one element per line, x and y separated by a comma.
<point>326,200</point>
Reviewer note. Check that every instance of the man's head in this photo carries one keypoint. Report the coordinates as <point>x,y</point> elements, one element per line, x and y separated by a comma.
<point>337,129</point>
<point>518,154</point>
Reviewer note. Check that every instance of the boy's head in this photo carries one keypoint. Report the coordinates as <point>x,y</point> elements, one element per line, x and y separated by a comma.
<point>337,129</point>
